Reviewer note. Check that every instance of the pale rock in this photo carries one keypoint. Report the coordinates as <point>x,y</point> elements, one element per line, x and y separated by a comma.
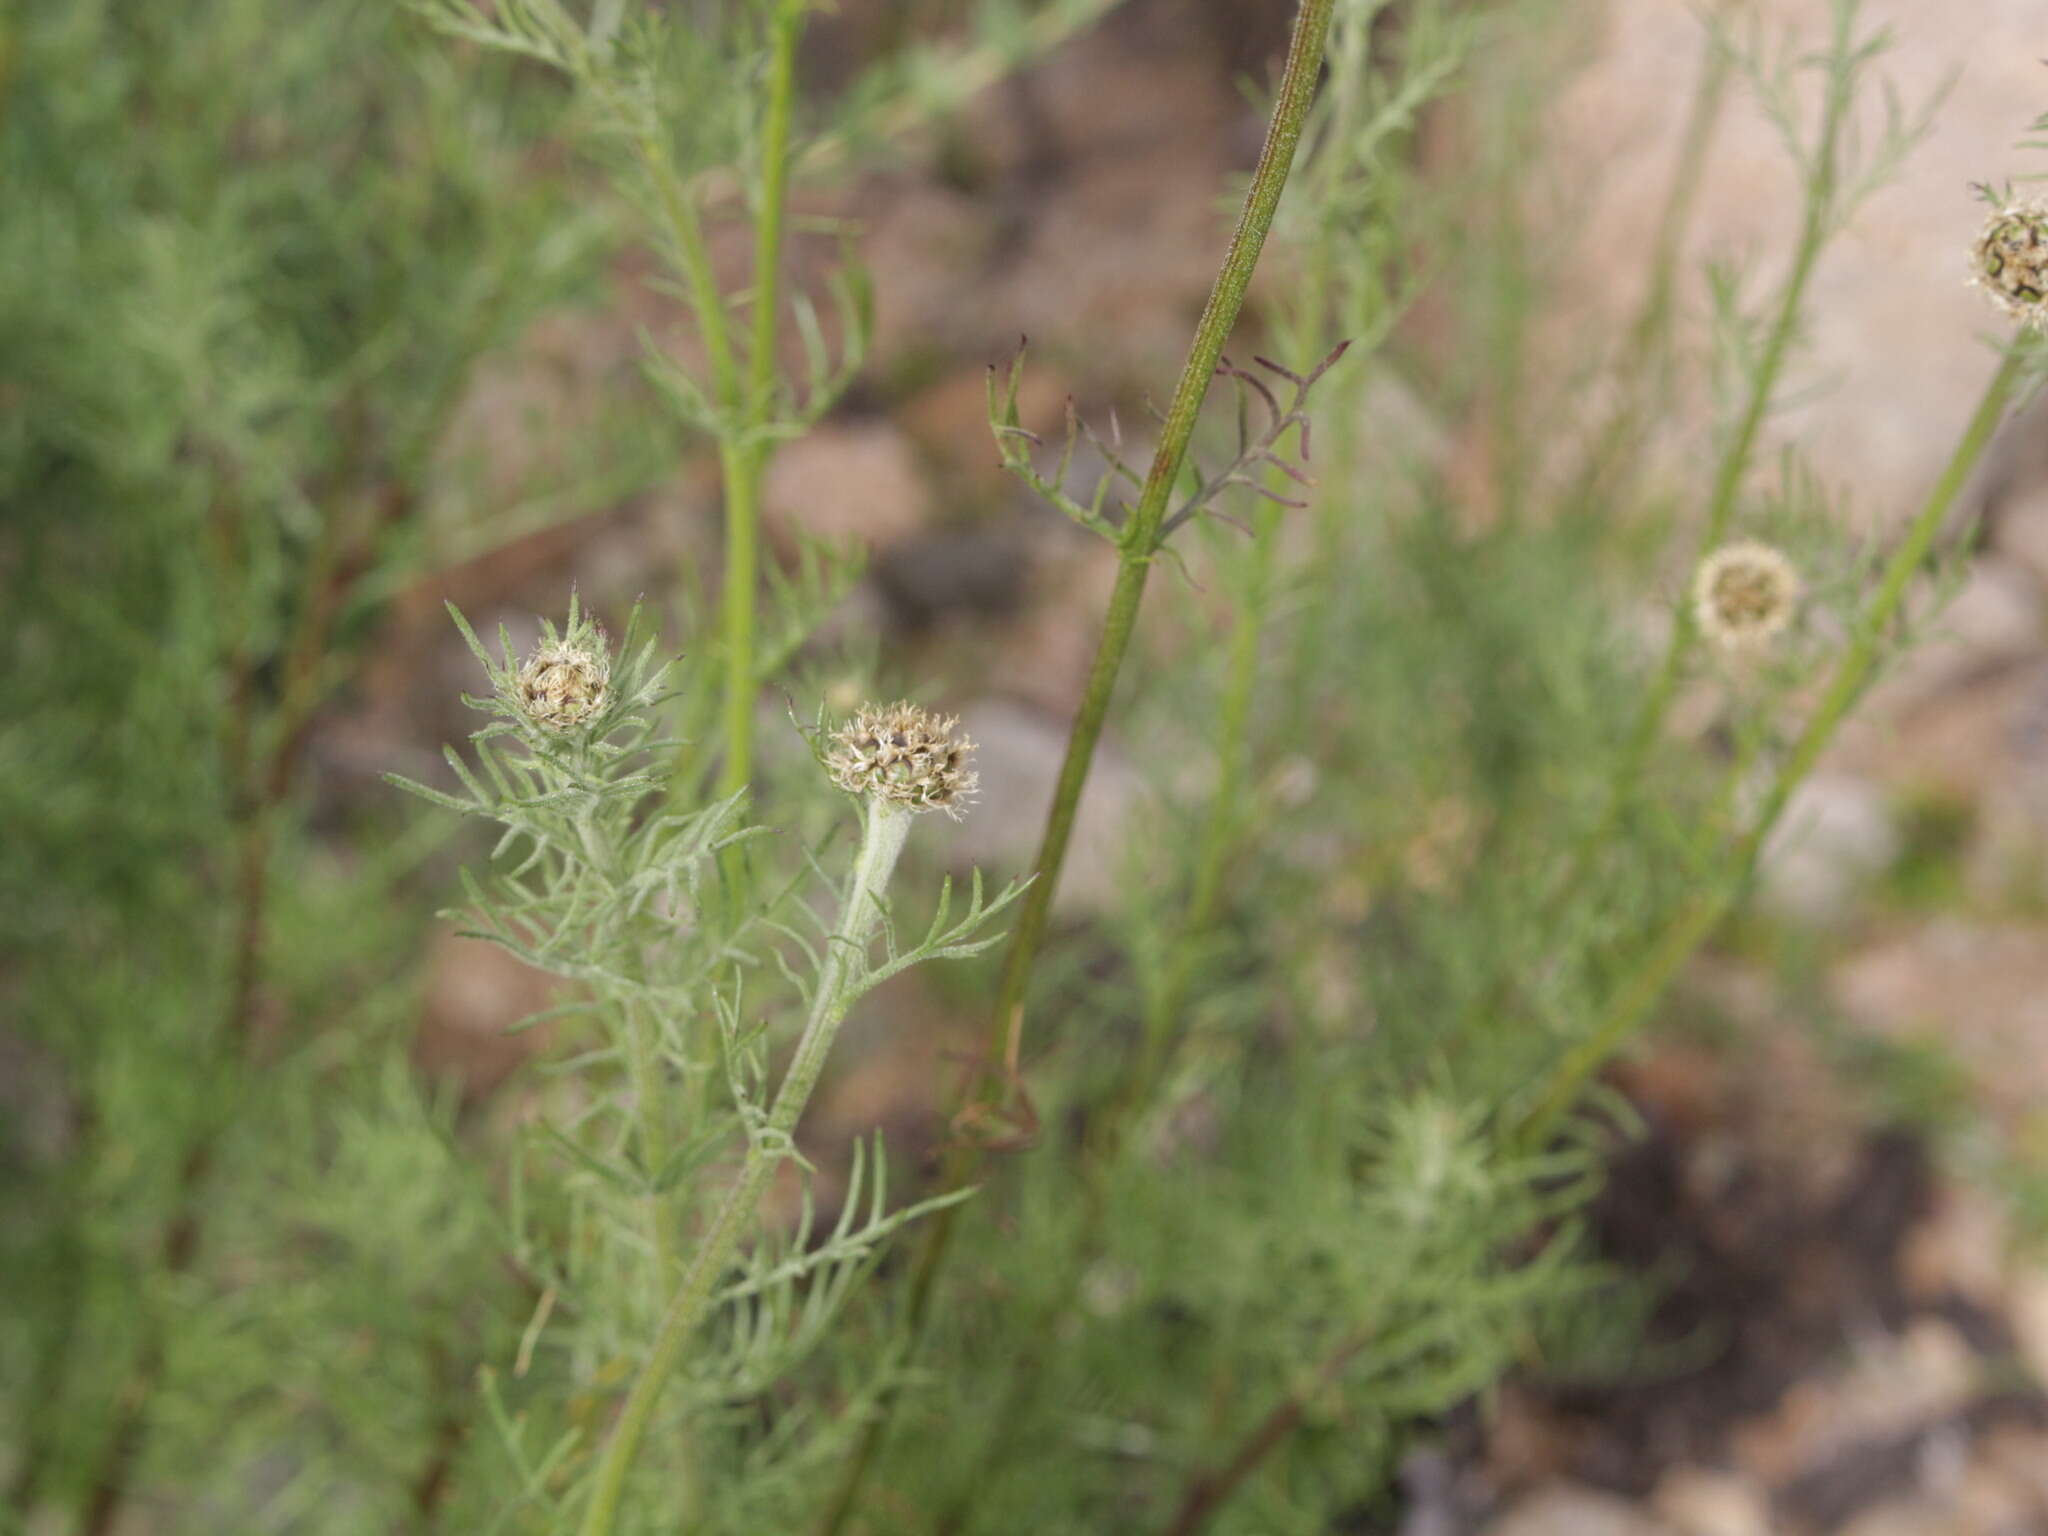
<point>524,407</point>
<point>1980,991</point>
<point>476,992</point>
<point>1917,1516</point>
<point>931,244</point>
<point>2017,1454</point>
<point>2015,491</point>
<point>857,482</point>
<point>2027,1310</point>
<point>1567,1509</point>
<point>1887,1387</point>
<point>1895,333</point>
<point>1960,1249</point>
<point>1698,1501</point>
<point>2023,531</point>
<point>1835,836</point>
<point>1997,612</point>
<point>1048,651</point>
<point>1018,754</point>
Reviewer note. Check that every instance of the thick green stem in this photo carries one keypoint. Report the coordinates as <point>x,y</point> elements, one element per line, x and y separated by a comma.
<point>1139,545</point>
<point>1140,542</point>
<point>1698,919</point>
<point>882,841</point>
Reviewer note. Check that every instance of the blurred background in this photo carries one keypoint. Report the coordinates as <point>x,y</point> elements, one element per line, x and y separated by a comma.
<point>320,261</point>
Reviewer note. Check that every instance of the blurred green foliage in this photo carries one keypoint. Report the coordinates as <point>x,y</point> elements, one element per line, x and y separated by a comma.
<point>248,271</point>
<point>1411,835</point>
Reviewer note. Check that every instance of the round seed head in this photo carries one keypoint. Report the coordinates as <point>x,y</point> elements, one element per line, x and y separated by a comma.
<point>565,682</point>
<point>2010,261</point>
<point>1744,595</point>
<point>904,755</point>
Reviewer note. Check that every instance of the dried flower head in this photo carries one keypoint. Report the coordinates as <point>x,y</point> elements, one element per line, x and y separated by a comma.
<point>566,680</point>
<point>904,755</point>
<point>2010,261</point>
<point>1745,594</point>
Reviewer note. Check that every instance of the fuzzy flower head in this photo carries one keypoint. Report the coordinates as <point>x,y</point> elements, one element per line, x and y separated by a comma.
<point>905,756</point>
<point>567,679</point>
<point>2010,261</point>
<point>1744,595</point>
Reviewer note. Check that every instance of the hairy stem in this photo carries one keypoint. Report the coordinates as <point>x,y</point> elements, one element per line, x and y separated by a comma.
<point>1696,921</point>
<point>1139,545</point>
<point>884,830</point>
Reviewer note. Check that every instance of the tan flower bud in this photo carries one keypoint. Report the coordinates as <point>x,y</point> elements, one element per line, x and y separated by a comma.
<point>565,682</point>
<point>1744,595</point>
<point>905,756</point>
<point>2010,261</point>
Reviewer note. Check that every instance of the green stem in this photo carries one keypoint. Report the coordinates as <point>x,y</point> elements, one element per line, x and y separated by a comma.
<point>775,130</point>
<point>1140,542</point>
<point>693,255</point>
<point>742,472</point>
<point>882,841</point>
<point>1697,920</point>
<point>1138,547</point>
<point>745,452</point>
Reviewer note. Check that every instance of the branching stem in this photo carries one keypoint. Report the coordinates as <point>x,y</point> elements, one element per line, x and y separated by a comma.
<point>1140,542</point>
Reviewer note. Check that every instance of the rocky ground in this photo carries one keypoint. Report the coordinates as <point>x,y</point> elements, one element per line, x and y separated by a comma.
<point>1848,1342</point>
